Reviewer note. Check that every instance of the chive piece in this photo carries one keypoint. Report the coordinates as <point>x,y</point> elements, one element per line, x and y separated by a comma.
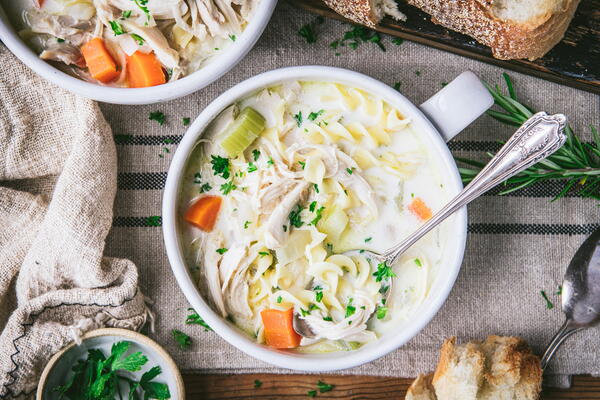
<point>302,164</point>
<point>138,39</point>
<point>298,118</point>
<point>116,28</point>
<point>549,304</point>
<point>367,240</point>
<point>246,224</point>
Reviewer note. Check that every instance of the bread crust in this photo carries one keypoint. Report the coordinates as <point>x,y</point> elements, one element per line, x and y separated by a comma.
<point>360,11</point>
<point>507,39</point>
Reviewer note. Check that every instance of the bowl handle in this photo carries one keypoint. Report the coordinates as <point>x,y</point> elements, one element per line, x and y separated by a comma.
<point>458,104</point>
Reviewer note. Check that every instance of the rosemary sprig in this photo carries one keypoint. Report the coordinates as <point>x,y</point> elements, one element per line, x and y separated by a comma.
<point>577,163</point>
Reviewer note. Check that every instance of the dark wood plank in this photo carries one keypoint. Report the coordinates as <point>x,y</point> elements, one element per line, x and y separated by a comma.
<point>241,387</point>
<point>575,61</point>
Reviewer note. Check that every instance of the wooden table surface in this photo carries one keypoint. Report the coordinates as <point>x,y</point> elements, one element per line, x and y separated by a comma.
<point>290,387</point>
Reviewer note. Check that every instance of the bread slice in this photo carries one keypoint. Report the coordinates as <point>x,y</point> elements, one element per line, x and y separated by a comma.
<point>366,12</point>
<point>511,28</point>
<point>421,389</point>
<point>499,368</point>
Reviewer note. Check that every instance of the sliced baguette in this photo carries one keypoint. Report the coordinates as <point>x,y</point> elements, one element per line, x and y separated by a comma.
<point>499,368</point>
<point>366,12</point>
<point>511,28</point>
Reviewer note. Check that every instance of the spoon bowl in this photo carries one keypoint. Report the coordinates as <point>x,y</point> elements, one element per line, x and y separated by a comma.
<point>580,294</point>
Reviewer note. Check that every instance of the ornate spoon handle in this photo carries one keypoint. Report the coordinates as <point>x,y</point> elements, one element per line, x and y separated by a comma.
<point>540,136</point>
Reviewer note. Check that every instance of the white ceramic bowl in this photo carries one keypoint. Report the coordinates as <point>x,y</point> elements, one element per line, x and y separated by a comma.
<point>184,86</point>
<point>448,110</point>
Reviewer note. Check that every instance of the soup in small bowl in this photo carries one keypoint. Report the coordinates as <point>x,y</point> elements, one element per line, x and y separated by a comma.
<point>275,181</point>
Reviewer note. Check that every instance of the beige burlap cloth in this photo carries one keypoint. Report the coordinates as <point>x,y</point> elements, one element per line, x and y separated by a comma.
<point>58,175</point>
<point>518,244</point>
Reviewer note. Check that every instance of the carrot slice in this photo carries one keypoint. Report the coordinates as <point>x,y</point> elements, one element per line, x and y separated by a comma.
<point>204,212</point>
<point>279,329</point>
<point>420,209</point>
<point>144,70</point>
<point>101,64</point>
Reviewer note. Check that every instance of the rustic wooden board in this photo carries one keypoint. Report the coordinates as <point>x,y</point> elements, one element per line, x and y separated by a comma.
<point>575,61</point>
<point>276,387</point>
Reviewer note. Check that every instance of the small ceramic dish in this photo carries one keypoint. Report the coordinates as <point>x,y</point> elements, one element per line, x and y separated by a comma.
<point>59,366</point>
<point>179,88</point>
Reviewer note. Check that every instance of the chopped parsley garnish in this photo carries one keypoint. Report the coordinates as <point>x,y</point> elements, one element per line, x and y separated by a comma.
<point>383,272</point>
<point>227,187</point>
<point>316,187</point>
<point>255,154</point>
<point>279,299</point>
<point>197,178</point>
<point>318,296</point>
<point>397,41</point>
<point>220,166</point>
<point>302,164</point>
<point>367,240</point>
<point>186,121</point>
<point>157,116</point>
<point>205,188</point>
<point>357,35</point>
<point>350,309</point>
<point>263,253</point>
<point>312,206</point>
<point>324,387</point>
<point>312,306</point>
<point>116,28</point>
<point>59,40</point>
<point>298,118</point>
<point>222,250</point>
<point>314,115</point>
<point>418,262</point>
<point>294,217</point>
<point>195,319</point>
<point>183,340</point>
<point>304,312</point>
<point>246,224</point>
<point>284,227</point>
<point>443,84</point>
<point>142,6</point>
<point>308,31</point>
<point>318,216</point>
<point>252,167</point>
<point>397,85</point>
<point>549,304</point>
<point>350,171</point>
<point>101,377</point>
<point>381,312</point>
<point>126,14</point>
<point>257,383</point>
<point>138,39</point>
<point>311,393</point>
<point>232,38</point>
<point>270,162</point>
<point>328,318</point>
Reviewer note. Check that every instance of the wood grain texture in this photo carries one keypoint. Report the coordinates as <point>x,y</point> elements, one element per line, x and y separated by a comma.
<point>291,387</point>
<point>575,61</point>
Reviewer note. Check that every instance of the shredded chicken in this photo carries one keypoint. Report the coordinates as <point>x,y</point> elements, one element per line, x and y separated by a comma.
<point>274,233</point>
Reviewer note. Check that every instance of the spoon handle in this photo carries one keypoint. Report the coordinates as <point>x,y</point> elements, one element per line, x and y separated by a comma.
<point>564,332</point>
<point>538,137</point>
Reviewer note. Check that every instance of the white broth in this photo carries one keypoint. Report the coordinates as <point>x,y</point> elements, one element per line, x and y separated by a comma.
<point>332,168</point>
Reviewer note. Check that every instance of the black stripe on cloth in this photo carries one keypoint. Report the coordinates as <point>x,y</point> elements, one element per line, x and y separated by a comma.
<point>145,140</point>
<point>475,228</point>
<point>156,181</point>
<point>474,145</point>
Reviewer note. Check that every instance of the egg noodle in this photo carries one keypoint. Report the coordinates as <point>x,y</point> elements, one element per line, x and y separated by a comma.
<point>333,169</point>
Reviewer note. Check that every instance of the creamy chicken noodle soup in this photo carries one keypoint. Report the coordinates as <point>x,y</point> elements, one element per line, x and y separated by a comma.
<point>130,43</point>
<point>284,181</point>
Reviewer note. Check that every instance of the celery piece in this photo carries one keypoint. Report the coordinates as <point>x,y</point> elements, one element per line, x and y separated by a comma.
<point>244,130</point>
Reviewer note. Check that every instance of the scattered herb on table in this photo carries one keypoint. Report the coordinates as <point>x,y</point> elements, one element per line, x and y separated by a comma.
<point>549,304</point>
<point>397,41</point>
<point>195,319</point>
<point>559,290</point>
<point>577,163</point>
<point>311,393</point>
<point>183,340</point>
<point>157,116</point>
<point>308,31</point>
<point>153,220</point>
<point>98,377</point>
<point>186,121</point>
<point>397,85</point>
<point>357,35</point>
<point>324,387</point>
<point>257,383</point>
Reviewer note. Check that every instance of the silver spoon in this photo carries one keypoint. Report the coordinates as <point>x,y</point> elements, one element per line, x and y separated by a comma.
<point>538,137</point>
<point>580,294</point>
